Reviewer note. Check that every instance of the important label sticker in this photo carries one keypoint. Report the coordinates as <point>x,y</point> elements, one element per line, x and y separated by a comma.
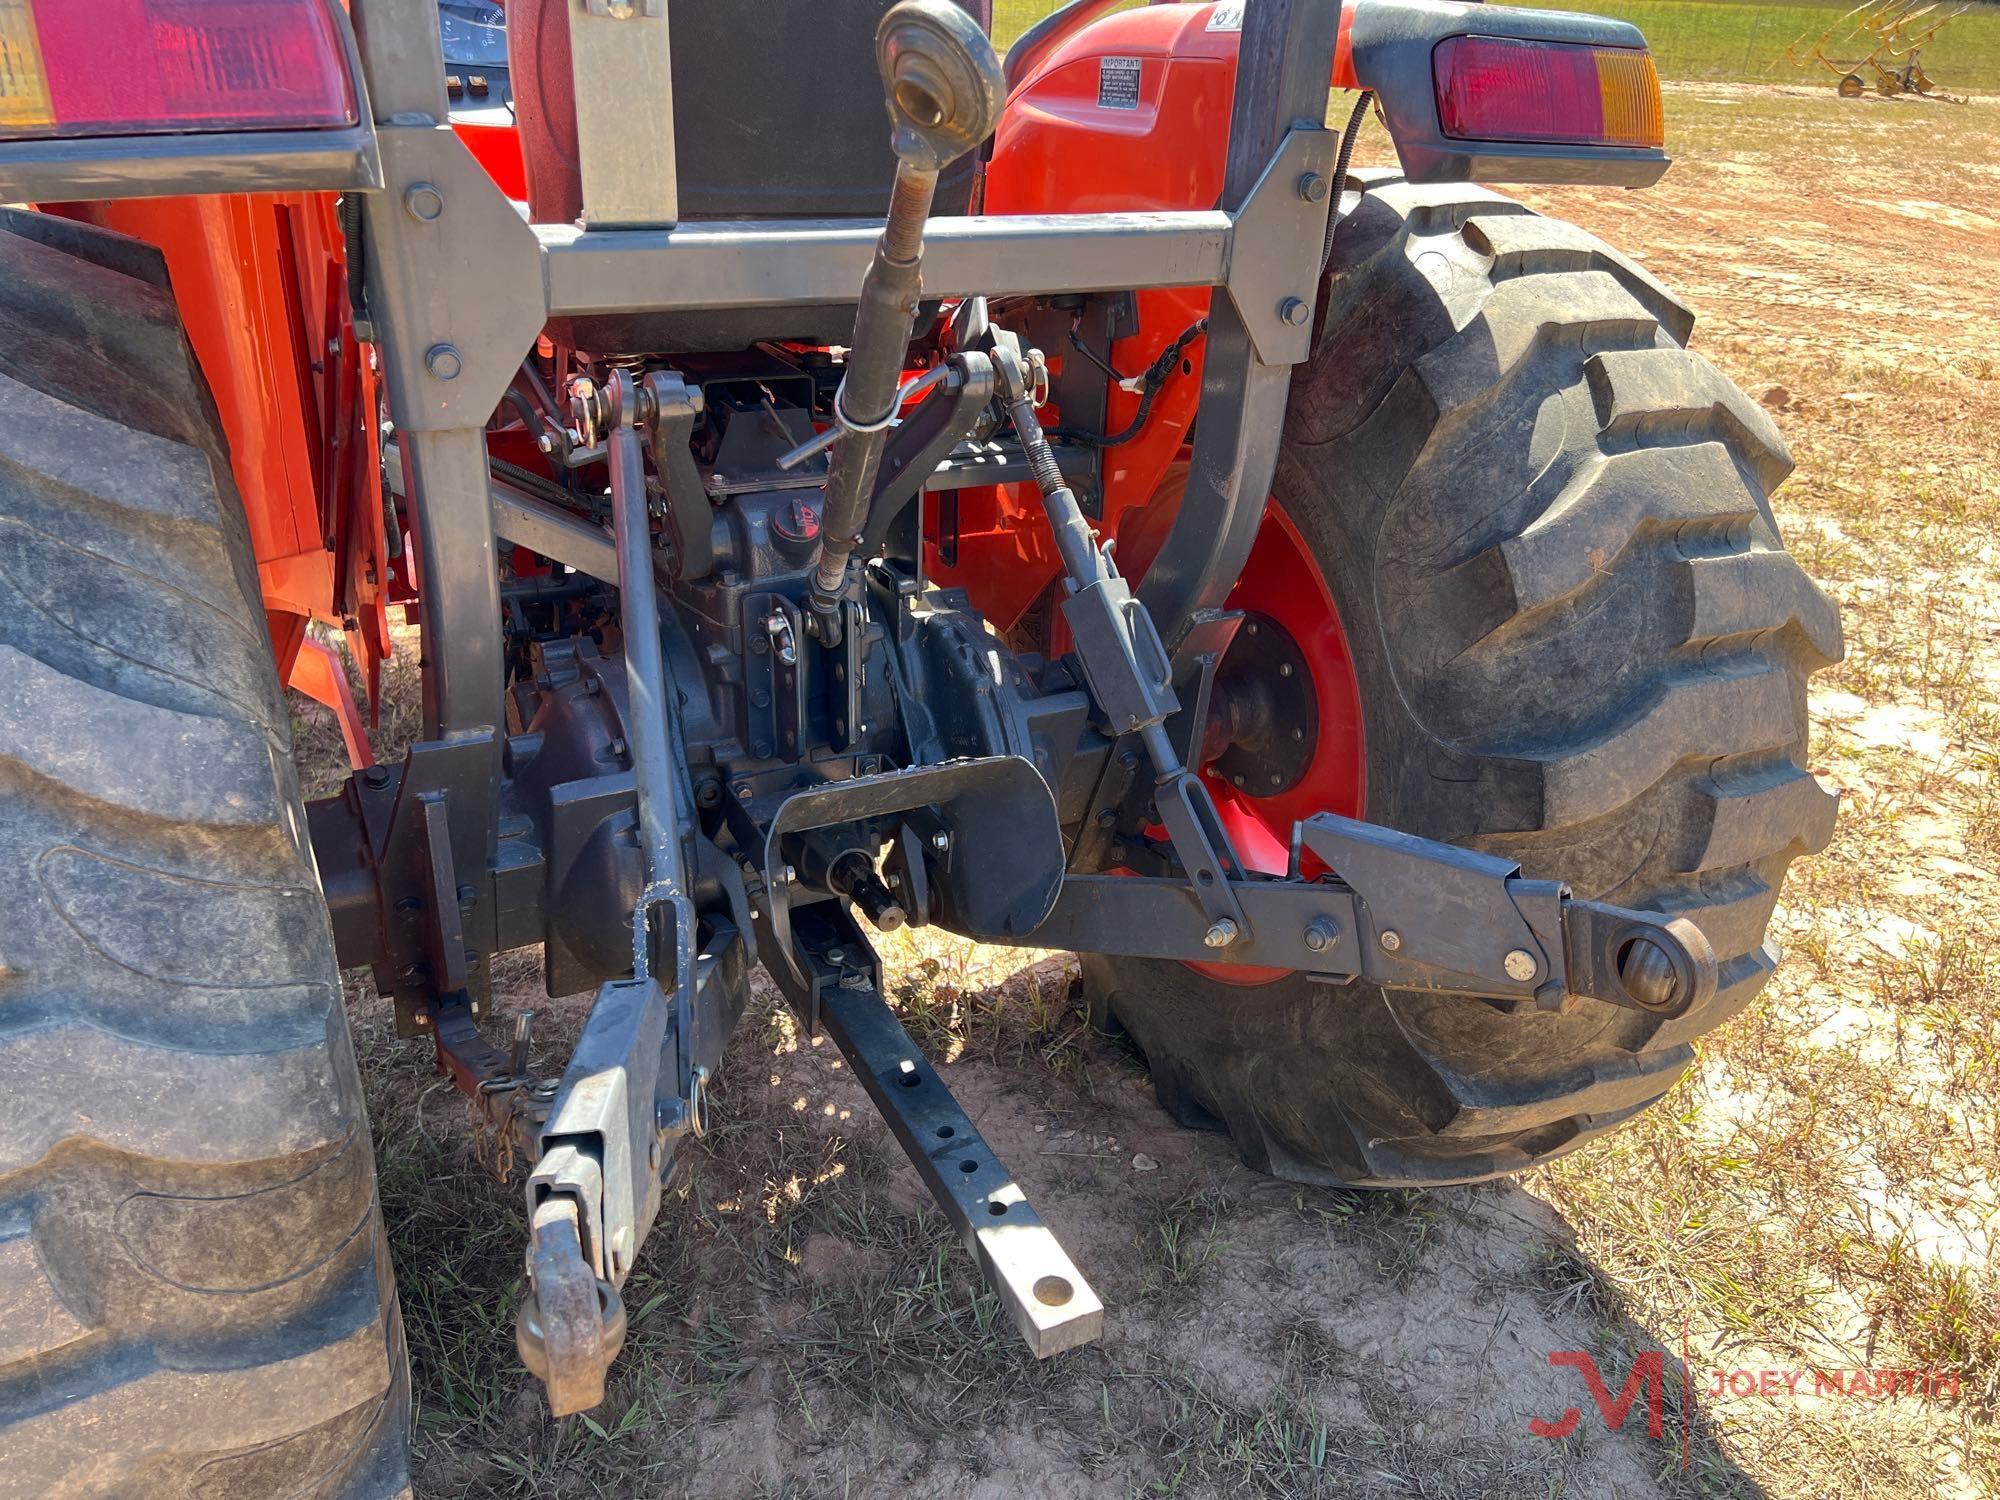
<point>1118,83</point>
<point>1228,16</point>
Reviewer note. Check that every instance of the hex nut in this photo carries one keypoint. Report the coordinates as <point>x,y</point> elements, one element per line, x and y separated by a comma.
<point>424,202</point>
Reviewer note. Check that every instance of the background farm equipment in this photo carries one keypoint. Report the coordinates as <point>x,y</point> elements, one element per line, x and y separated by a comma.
<point>1885,44</point>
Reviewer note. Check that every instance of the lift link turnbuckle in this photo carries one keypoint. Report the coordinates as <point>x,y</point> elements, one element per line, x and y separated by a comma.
<point>1126,666</point>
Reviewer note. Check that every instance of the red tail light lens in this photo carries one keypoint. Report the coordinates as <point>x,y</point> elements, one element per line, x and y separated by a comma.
<point>149,67</point>
<point>1505,89</point>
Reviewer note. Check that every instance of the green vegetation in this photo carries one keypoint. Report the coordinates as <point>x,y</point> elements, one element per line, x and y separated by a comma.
<point>1729,39</point>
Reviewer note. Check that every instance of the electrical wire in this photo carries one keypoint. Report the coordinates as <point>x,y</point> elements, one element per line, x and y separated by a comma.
<point>1157,374</point>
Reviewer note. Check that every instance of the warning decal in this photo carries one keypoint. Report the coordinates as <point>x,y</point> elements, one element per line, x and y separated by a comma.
<point>1118,83</point>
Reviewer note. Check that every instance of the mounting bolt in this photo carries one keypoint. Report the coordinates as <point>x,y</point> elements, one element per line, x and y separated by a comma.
<point>424,202</point>
<point>376,777</point>
<point>1312,187</point>
<point>1391,940</point>
<point>1221,933</point>
<point>467,897</point>
<point>443,362</point>
<point>941,842</point>
<point>1321,933</point>
<point>1107,817</point>
<point>1295,311</point>
<point>1520,965</point>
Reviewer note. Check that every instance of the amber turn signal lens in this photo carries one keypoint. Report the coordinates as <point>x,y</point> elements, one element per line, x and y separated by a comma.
<point>24,87</point>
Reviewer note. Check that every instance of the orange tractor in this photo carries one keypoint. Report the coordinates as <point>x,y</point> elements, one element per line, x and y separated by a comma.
<point>1078,511</point>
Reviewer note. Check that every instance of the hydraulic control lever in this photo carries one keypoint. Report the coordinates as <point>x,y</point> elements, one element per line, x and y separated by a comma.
<point>944,91</point>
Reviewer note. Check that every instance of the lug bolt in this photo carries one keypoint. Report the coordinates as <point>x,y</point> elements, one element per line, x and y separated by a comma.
<point>1295,311</point>
<point>1520,965</point>
<point>1312,187</point>
<point>1221,933</point>
<point>1321,933</point>
<point>443,362</point>
<point>1391,940</point>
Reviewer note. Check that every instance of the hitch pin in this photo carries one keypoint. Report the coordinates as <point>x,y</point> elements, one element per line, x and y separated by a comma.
<point>819,442</point>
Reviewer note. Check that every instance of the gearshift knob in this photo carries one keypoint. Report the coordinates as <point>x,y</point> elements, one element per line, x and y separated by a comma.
<point>942,81</point>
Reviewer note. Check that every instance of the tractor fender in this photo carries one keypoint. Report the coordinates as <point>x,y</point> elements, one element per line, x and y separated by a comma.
<point>1389,46</point>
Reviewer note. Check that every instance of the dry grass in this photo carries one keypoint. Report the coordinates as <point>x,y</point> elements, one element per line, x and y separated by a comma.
<point>1819,1193</point>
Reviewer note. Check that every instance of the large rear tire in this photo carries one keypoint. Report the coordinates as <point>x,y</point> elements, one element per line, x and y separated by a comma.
<point>195,1293</point>
<point>1577,641</point>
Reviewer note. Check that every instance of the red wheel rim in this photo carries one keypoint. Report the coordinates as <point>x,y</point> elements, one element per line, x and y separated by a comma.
<point>1282,582</point>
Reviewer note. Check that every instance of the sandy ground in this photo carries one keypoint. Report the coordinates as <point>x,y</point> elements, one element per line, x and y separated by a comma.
<point>1817,1195</point>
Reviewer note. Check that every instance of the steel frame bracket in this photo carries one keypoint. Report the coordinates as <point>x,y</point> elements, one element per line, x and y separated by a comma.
<point>434,877</point>
<point>454,284</point>
<point>621,59</point>
<point>1275,247</point>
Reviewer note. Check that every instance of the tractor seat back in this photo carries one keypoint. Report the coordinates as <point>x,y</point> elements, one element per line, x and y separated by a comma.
<point>778,114</point>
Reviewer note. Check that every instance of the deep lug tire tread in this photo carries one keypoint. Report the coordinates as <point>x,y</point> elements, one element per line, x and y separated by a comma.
<point>1580,643</point>
<point>195,1292</point>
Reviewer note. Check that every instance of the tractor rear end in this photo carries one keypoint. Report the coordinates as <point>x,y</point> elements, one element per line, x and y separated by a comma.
<point>811,542</point>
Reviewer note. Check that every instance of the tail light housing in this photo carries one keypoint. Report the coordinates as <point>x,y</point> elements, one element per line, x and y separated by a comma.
<point>159,67</point>
<point>1493,88</point>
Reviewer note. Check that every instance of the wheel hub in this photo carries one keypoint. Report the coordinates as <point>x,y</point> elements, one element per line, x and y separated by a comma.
<point>1263,727</point>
